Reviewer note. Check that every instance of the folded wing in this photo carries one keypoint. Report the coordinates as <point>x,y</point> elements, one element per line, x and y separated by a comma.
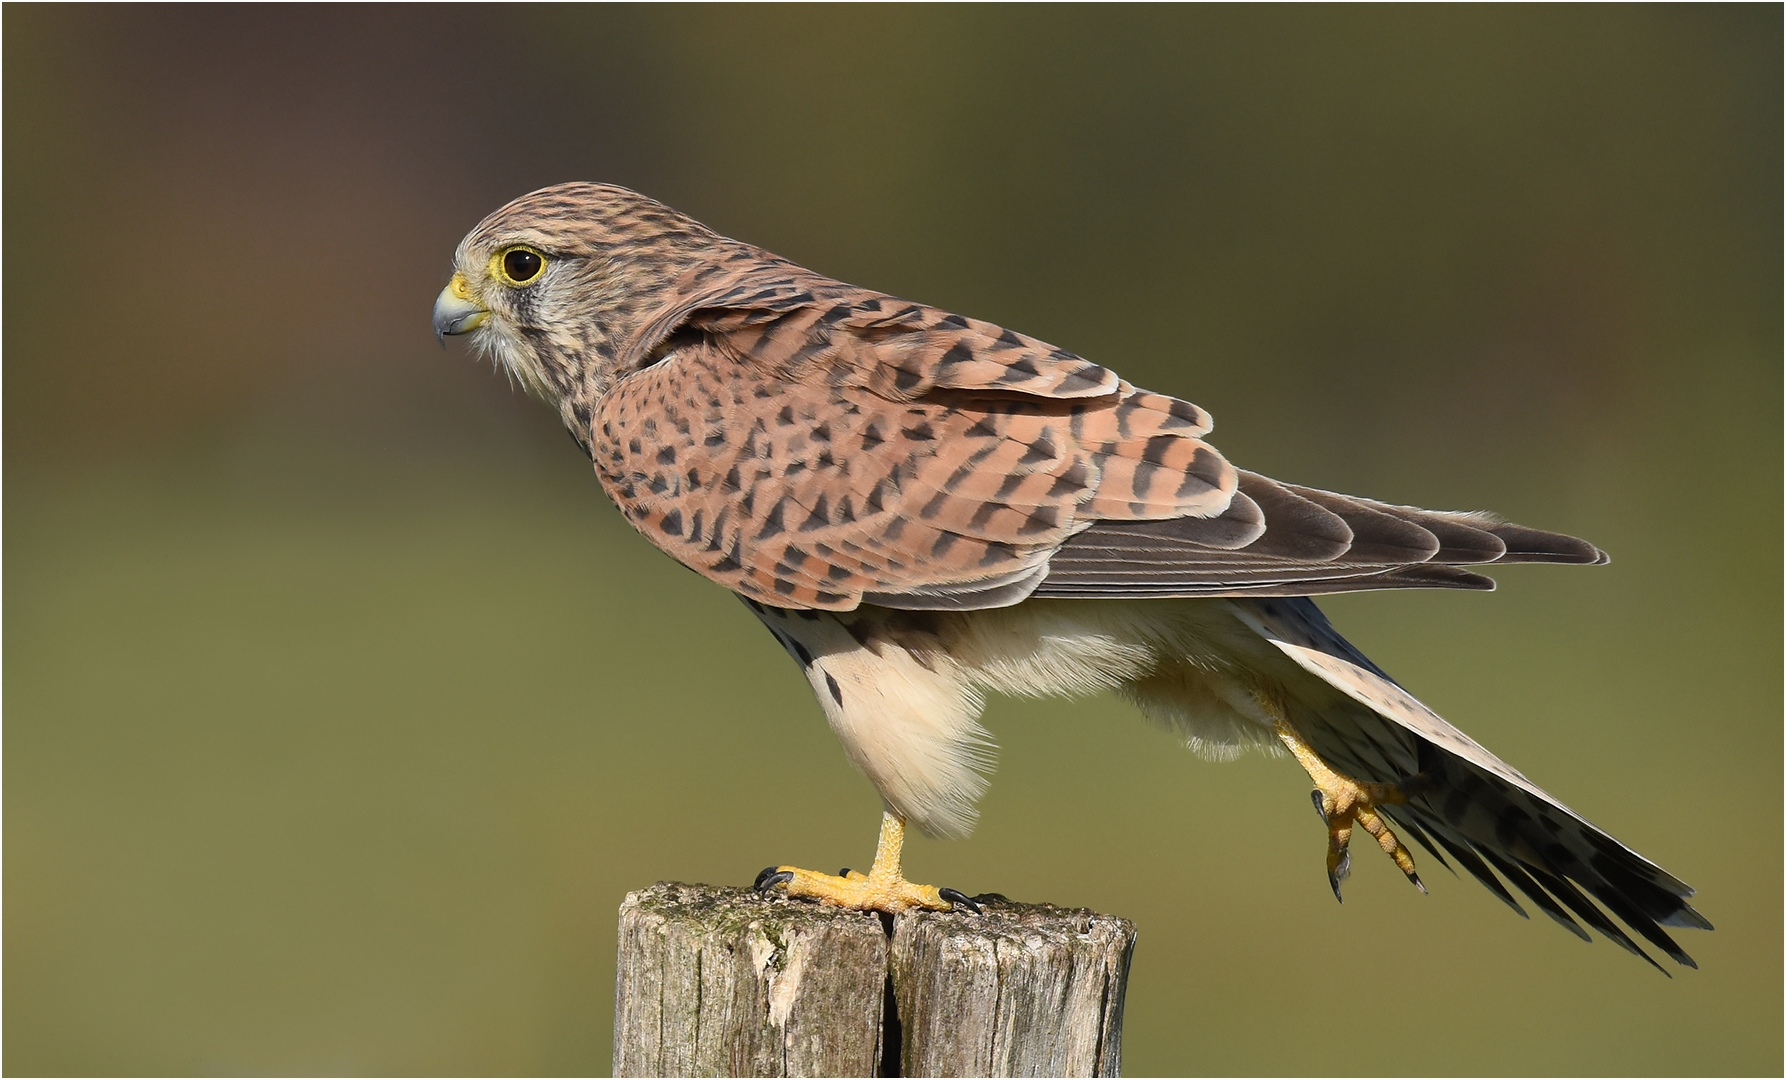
<point>814,445</point>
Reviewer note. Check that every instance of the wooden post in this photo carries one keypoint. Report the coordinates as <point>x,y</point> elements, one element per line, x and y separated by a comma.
<point>730,982</point>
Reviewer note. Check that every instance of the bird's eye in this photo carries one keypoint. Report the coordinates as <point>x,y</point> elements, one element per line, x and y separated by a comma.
<point>519,265</point>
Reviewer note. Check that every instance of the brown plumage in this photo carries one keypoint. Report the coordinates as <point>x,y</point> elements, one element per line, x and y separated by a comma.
<point>822,448</point>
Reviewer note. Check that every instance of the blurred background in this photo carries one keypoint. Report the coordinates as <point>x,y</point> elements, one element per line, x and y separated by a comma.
<point>342,709</point>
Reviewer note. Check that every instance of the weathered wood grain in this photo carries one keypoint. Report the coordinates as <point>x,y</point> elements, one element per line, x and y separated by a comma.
<point>729,982</point>
<point>1019,990</point>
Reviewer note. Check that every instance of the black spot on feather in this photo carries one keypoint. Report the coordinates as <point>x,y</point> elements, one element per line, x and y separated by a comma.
<point>1043,449</point>
<point>1022,371</point>
<point>772,525</point>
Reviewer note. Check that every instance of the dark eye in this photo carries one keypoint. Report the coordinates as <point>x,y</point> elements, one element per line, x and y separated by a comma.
<point>521,265</point>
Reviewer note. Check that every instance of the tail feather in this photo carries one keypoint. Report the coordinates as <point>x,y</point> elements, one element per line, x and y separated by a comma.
<point>1516,874</point>
<point>1478,808</point>
<point>1468,859</point>
<point>1566,891</point>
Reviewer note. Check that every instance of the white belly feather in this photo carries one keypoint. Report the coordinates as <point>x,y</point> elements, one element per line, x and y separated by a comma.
<point>904,690</point>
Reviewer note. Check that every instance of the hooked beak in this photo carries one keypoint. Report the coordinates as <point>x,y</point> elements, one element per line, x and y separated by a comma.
<point>454,310</point>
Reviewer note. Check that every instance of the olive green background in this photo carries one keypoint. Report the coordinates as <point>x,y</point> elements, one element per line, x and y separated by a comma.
<point>342,709</point>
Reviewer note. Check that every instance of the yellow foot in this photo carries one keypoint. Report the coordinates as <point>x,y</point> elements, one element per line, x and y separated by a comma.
<point>1343,802</point>
<point>859,892</point>
<point>883,888</point>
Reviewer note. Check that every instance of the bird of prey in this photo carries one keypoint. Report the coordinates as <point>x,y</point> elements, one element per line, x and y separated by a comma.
<point>923,507</point>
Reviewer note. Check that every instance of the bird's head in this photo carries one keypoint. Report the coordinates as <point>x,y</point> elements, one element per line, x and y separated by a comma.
<point>556,284</point>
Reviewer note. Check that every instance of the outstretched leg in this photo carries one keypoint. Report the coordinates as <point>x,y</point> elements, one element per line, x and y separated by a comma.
<point>883,888</point>
<point>1342,802</point>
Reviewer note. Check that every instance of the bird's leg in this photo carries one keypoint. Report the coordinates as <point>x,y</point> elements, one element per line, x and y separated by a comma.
<point>1342,802</point>
<point>883,888</point>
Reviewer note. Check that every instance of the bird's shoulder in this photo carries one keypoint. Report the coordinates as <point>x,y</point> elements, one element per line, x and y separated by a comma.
<point>802,325</point>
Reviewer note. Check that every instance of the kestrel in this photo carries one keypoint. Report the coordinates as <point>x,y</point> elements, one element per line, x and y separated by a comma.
<point>924,507</point>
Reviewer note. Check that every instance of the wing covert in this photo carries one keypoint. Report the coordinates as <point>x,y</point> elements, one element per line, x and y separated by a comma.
<point>854,446</point>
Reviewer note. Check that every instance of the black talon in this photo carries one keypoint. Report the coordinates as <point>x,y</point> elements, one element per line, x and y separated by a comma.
<point>771,877</point>
<point>845,872</point>
<point>956,897</point>
<point>1415,878</point>
<point>1340,873</point>
<point>1320,807</point>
